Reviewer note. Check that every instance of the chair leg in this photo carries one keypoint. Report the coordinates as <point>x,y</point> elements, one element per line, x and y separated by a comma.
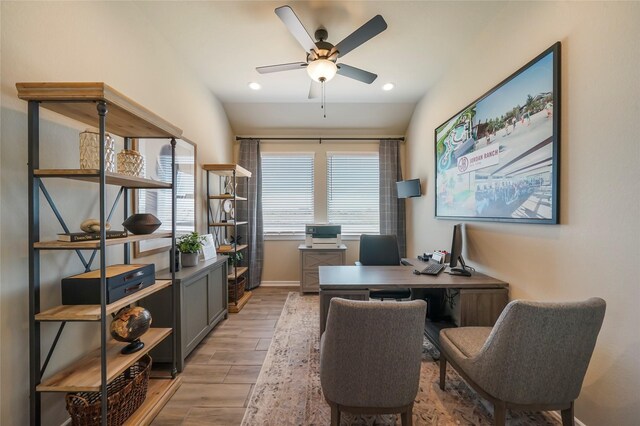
<point>407,416</point>
<point>443,370</point>
<point>567,416</point>
<point>499,413</point>
<point>335,414</point>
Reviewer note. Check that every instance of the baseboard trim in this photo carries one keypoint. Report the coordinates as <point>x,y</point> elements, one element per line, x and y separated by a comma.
<point>280,283</point>
<point>556,415</point>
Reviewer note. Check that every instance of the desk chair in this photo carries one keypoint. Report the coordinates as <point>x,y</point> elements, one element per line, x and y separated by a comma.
<point>534,358</point>
<point>382,250</point>
<point>370,356</point>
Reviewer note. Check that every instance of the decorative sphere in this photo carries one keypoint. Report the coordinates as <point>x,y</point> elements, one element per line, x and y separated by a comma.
<point>130,323</point>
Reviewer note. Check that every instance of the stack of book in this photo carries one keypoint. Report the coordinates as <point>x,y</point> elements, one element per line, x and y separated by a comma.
<point>74,237</point>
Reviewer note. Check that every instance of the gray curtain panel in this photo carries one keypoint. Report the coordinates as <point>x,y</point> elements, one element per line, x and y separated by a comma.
<point>251,210</point>
<point>392,209</point>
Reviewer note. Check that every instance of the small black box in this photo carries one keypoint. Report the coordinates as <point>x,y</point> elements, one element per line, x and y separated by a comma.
<point>122,280</point>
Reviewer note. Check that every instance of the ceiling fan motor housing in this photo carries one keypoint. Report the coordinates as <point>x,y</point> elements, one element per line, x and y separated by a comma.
<point>323,51</point>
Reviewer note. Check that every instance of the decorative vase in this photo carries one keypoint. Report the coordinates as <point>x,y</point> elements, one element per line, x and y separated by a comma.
<point>189,259</point>
<point>128,325</point>
<point>131,162</point>
<point>141,223</point>
<point>90,151</point>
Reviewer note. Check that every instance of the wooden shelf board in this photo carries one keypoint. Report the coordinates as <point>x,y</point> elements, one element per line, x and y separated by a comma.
<point>92,312</point>
<point>234,308</point>
<point>227,223</point>
<point>93,175</point>
<point>227,170</point>
<point>227,197</point>
<point>158,394</point>
<point>231,249</point>
<point>125,117</point>
<point>240,270</point>
<point>95,244</point>
<point>84,374</point>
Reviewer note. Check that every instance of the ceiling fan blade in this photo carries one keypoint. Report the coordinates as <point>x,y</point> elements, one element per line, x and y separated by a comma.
<point>281,67</point>
<point>295,27</point>
<point>375,26</point>
<point>314,89</point>
<point>356,73</point>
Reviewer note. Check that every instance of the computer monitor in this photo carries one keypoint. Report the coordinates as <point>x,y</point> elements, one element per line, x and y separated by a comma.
<point>408,188</point>
<point>456,253</point>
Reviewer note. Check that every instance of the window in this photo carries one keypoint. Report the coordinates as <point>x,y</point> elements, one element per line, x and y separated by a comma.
<point>287,192</point>
<point>353,192</point>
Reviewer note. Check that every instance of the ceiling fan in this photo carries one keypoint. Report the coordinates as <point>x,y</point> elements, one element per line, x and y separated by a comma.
<point>322,56</point>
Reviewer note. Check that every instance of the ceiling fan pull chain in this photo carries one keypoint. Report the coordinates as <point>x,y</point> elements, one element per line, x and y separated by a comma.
<point>323,106</point>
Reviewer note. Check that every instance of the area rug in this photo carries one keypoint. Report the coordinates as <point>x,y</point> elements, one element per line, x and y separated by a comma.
<point>288,390</point>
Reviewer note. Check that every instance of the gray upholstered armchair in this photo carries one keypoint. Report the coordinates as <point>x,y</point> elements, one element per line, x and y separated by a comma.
<point>534,358</point>
<point>370,357</point>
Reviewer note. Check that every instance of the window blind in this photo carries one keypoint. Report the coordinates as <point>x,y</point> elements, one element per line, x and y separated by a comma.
<point>353,192</point>
<point>287,192</point>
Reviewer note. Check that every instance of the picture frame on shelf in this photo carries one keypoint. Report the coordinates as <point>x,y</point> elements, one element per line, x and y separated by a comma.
<point>158,202</point>
<point>208,247</point>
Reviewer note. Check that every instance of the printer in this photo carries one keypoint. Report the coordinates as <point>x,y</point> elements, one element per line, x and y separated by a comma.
<point>323,235</point>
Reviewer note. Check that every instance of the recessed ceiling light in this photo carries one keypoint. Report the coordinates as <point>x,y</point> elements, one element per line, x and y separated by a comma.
<point>254,86</point>
<point>388,87</point>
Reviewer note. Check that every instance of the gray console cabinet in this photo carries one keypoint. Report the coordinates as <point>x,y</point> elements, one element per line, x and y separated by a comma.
<point>202,304</point>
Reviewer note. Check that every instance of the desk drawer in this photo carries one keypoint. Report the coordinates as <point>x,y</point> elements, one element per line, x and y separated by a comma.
<point>313,260</point>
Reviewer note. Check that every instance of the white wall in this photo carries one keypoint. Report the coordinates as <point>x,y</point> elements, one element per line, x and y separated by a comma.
<point>599,198</point>
<point>81,41</point>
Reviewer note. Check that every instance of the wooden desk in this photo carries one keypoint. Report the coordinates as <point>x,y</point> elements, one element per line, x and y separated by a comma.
<point>482,298</point>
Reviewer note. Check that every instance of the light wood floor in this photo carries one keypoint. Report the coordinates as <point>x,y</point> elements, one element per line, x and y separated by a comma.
<point>221,372</point>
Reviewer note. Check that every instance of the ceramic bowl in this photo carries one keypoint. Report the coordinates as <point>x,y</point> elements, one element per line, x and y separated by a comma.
<point>141,223</point>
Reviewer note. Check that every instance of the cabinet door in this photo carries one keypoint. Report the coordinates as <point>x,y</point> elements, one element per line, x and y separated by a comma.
<point>194,310</point>
<point>217,293</point>
<point>481,307</point>
<point>310,281</point>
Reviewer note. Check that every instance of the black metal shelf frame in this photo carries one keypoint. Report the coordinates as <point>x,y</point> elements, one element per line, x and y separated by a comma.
<point>36,187</point>
<point>223,183</point>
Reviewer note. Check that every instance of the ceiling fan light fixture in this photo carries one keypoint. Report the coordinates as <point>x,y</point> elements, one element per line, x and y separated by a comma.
<point>322,70</point>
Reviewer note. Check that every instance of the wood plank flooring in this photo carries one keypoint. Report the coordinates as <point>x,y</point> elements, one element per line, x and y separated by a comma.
<point>220,373</point>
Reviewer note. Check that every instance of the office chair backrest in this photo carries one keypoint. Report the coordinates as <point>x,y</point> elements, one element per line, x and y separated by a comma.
<point>379,250</point>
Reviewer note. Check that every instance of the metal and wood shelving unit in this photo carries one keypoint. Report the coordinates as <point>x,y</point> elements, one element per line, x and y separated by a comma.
<point>97,105</point>
<point>223,225</point>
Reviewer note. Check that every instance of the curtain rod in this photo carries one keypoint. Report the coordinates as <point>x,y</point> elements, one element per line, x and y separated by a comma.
<point>320,139</point>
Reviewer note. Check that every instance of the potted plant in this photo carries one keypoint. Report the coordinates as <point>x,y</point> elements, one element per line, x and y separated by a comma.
<point>235,258</point>
<point>189,246</point>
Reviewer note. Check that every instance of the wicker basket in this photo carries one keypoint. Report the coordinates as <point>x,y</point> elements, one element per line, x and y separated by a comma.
<point>125,394</point>
<point>236,289</point>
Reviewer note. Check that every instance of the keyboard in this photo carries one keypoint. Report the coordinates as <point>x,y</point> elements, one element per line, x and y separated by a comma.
<point>433,269</point>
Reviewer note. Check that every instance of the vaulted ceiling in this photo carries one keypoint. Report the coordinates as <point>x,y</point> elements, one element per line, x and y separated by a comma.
<point>224,41</point>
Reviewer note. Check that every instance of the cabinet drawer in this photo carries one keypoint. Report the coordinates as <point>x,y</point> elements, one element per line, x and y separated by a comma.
<point>310,281</point>
<point>313,260</point>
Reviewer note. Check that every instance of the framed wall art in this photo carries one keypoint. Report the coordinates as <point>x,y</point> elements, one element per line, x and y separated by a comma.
<point>498,158</point>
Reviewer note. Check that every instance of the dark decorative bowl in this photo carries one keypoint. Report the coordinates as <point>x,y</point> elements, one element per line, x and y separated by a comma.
<point>141,223</point>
